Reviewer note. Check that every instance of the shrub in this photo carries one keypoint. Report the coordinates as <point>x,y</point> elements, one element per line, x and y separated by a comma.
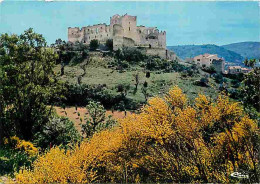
<point>20,145</point>
<point>109,44</point>
<point>12,160</point>
<point>235,83</point>
<point>97,120</point>
<point>83,94</point>
<point>210,69</point>
<point>178,67</point>
<point>130,54</point>
<point>218,78</point>
<point>94,44</point>
<point>122,65</point>
<point>16,153</point>
<point>58,131</point>
<point>168,141</point>
<point>148,74</point>
<point>123,89</point>
<point>250,92</point>
<point>202,82</point>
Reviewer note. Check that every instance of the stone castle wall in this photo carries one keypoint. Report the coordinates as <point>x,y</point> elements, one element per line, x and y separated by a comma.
<point>123,30</point>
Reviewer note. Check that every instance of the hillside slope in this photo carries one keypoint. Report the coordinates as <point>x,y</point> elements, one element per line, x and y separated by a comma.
<point>245,49</point>
<point>185,51</point>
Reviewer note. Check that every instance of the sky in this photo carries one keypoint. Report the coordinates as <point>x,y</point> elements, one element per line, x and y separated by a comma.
<point>184,22</point>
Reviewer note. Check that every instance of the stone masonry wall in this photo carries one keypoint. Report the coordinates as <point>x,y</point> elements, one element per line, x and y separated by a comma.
<point>124,32</point>
<point>141,35</point>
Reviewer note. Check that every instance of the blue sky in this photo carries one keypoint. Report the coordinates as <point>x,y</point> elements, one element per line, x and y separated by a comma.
<point>185,22</point>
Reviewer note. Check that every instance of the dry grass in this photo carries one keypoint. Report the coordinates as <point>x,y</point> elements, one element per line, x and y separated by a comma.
<point>81,113</point>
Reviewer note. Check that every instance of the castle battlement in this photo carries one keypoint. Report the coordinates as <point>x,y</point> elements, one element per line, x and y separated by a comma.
<point>123,30</point>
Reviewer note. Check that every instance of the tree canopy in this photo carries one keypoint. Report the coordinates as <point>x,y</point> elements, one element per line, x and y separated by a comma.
<point>27,83</point>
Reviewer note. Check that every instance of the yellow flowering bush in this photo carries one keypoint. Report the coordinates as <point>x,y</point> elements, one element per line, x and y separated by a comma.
<point>169,141</point>
<point>21,145</point>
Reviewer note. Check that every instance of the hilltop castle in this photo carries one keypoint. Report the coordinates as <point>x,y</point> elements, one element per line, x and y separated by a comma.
<point>124,32</point>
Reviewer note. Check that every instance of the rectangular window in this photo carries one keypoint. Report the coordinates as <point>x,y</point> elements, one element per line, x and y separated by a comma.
<point>198,59</point>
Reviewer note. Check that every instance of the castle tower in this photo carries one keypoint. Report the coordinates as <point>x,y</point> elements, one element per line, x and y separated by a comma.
<point>124,32</point>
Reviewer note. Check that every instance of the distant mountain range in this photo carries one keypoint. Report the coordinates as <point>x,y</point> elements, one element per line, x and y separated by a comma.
<point>235,52</point>
<point>245,49</point>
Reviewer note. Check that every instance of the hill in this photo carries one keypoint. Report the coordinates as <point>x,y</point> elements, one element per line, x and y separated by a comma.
<point>185,51</point>
<point>245,49</point>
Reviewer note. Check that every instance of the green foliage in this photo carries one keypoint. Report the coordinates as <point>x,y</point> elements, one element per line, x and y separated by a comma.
<point>70,52</point>
<point>210,69</point>
<point>250,92</point>
<point>250,63</point>
<point>82,95</point>
<point>109,44</point>
<point>94,44</point>
<point>12,160</point>
<point>122,65</point>
<point>59,131</point>
<point>218,78</point>
<point>123,89</point>
<point>235,83</point>
<point>27,84</point>
<point>132,55</point>
<point>202,82</point>
<point>98,121</point>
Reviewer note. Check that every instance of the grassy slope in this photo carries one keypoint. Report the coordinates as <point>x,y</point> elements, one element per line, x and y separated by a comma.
<point>158,83</point>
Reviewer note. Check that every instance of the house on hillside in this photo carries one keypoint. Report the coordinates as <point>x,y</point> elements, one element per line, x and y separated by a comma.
<point>207,60</point>
<point>237,70</point>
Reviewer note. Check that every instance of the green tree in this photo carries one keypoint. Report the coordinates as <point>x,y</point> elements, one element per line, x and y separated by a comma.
<point>250,63</point>
<point>94,44</point>
<point>27,83</point>
<point>58,131</point>
<point>250,92</point>
<point>98,115</point>
<point>109,44</point>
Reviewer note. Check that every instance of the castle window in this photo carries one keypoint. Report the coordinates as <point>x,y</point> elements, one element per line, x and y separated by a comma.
<point>129,28</point>
<point>107,34</point>
<point>129,22</point>
<point>95,36</point>
<point>89,37</point>
<point>139,31</point>
<point>88,29</point>
<point>198,59</point>
<point>96,30</point>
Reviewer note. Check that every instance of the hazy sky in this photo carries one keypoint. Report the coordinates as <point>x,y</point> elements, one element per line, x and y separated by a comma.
<point>185,22</point>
